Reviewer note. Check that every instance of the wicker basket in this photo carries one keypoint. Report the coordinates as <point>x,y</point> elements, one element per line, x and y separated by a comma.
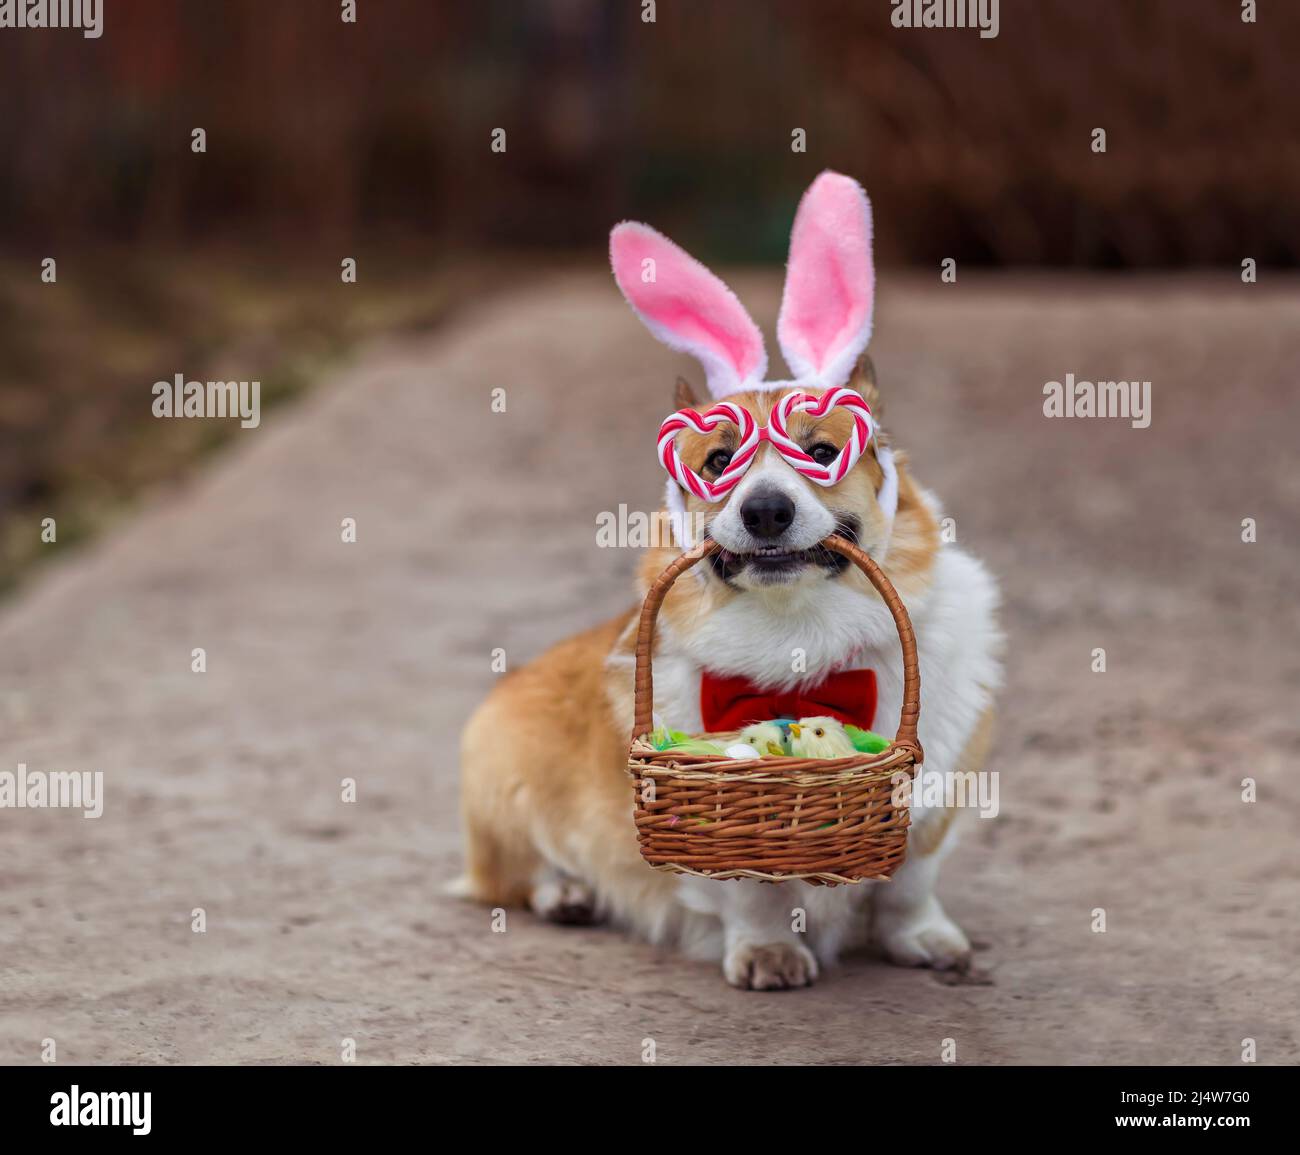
<point>820,820</point>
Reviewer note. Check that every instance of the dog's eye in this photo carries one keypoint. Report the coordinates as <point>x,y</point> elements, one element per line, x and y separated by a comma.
<point>823,453</point>
<point>718,460</point>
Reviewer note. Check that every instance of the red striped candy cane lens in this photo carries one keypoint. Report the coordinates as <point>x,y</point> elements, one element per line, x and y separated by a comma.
<point>704,424</point>
<point>817,408</point>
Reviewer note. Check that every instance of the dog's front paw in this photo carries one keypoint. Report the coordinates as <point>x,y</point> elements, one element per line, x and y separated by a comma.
<point>559,898</point>
<point>923,939</point>
<point>778,966</point>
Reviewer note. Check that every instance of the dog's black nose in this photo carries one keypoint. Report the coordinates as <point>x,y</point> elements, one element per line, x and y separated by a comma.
<point>767,514</point>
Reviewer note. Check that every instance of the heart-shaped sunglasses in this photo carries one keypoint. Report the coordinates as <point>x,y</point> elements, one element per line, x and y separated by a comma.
<point>752,435</point>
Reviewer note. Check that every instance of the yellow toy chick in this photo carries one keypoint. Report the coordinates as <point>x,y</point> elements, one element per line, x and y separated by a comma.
<point>820,738</point>
<point>767,738</point>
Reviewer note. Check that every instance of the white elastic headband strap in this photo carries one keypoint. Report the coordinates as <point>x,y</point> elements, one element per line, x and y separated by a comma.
<point>888,495</point>
<point>679,519</point>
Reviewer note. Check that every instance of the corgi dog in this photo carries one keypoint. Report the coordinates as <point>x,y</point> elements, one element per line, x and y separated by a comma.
<point>771,610</point>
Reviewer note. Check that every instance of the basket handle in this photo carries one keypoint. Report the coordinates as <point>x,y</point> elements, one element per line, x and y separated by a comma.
<point>644,679</point>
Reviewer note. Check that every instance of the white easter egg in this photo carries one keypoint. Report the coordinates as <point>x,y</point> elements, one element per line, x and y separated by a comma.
<point>741,750</point>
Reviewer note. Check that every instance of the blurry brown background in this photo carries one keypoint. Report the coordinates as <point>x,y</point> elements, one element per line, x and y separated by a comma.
<point>323,132</point>
<point>371,140</point>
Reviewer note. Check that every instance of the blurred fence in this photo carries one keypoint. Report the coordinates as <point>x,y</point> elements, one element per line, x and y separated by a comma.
<point>973,148</point>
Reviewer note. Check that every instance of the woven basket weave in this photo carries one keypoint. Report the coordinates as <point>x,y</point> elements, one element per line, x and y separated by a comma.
<point>824,821</point>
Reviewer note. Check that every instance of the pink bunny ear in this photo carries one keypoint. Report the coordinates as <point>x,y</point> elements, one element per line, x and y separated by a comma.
<point>687,307</point>
<point>830,282</point>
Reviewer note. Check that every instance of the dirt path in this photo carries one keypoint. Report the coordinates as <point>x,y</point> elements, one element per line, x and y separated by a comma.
<point>328,661</point>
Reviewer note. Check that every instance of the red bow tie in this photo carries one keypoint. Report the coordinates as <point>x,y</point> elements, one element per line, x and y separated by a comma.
<point>731,703</point>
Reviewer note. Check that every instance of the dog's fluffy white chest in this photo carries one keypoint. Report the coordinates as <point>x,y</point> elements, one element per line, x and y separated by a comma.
<point>822,628</point>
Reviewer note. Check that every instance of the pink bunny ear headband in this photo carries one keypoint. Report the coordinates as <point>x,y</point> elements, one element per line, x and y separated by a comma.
<point>823,327</point>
